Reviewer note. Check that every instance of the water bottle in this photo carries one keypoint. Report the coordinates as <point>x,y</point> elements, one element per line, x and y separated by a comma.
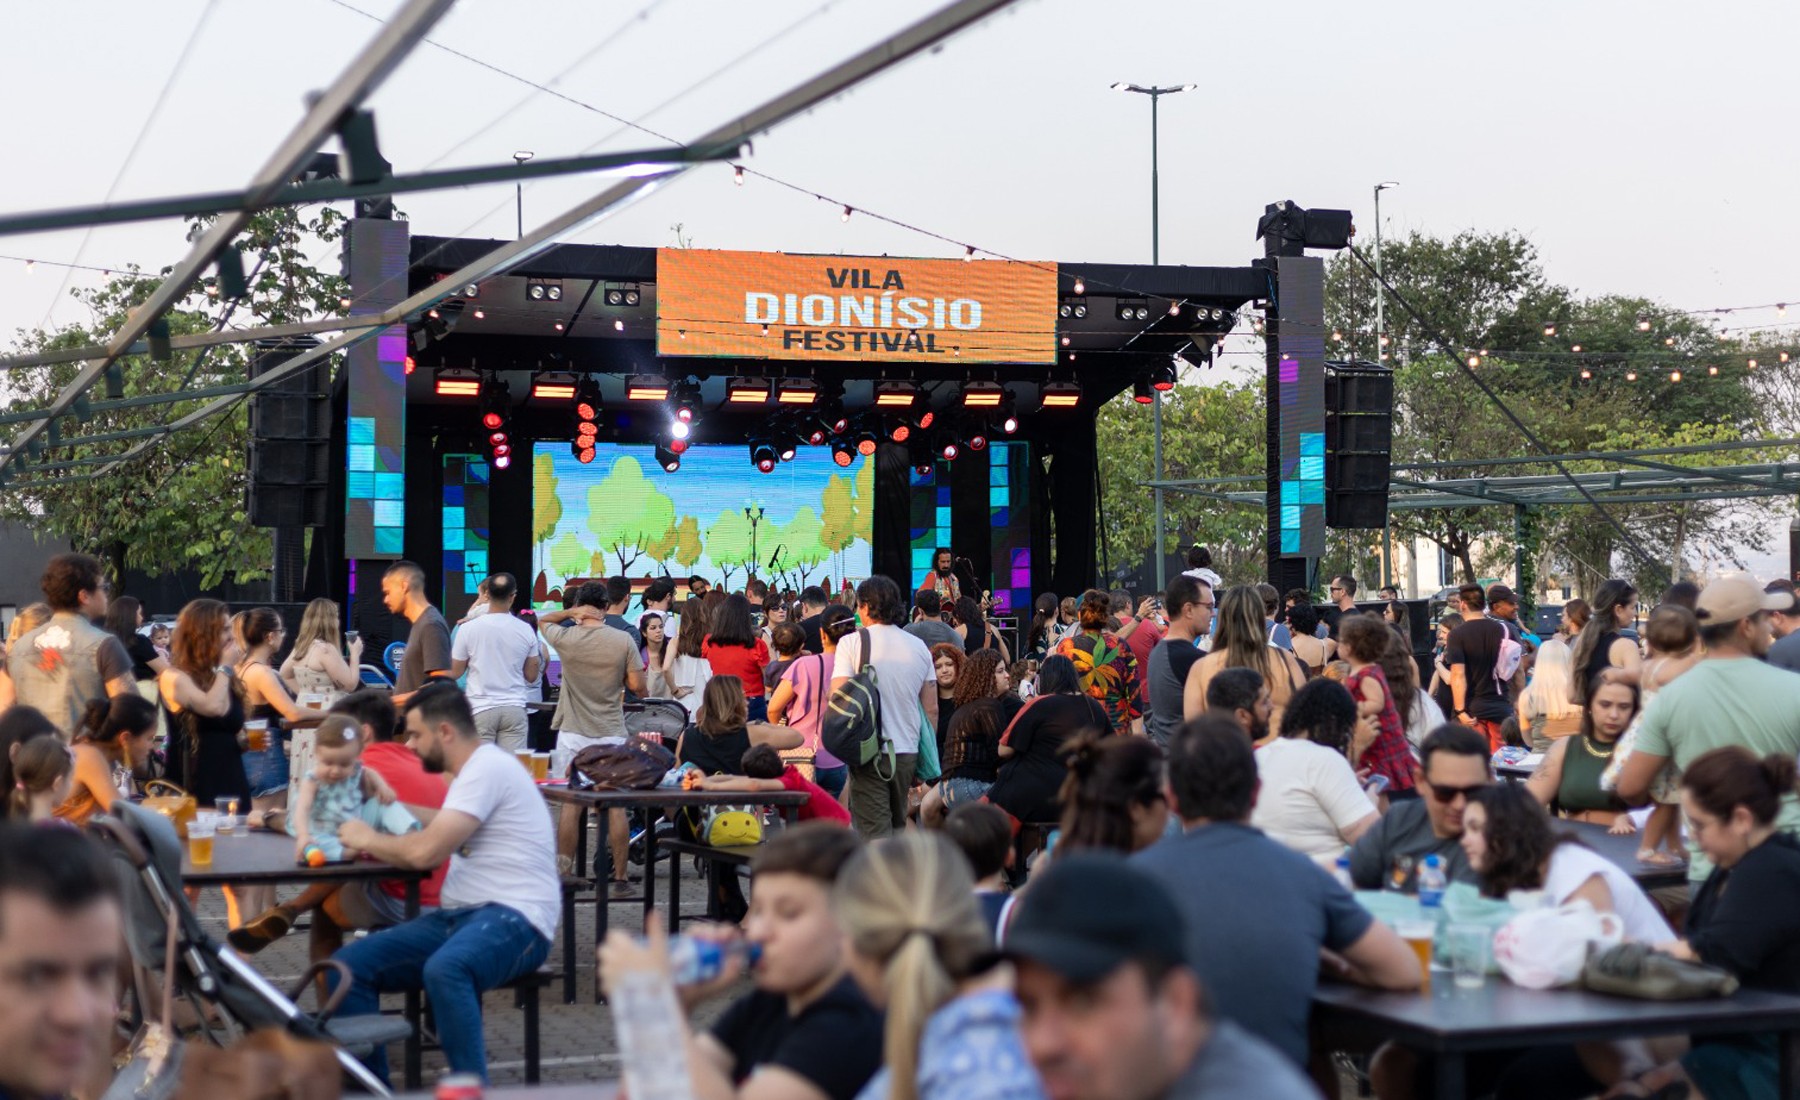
<point>693,960</point>
<point>645,1014</point>
<point>1342,873</point>
<point>1432,882</point>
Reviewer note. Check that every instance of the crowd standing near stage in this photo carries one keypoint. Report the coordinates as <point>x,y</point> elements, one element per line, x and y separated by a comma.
<point>1109,849</point>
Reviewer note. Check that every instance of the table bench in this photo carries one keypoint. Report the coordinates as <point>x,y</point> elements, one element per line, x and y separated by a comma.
<point>716,859</point>
<point>525,990</point>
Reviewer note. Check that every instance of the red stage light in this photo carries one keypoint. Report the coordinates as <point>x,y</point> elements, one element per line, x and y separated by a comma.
<point>977,442</point>
<point>900,434</point>
<point>865,447</point>
<point>927,420</point>
<point>766,465</point>
<point>501,450</point>
<point>587,411</point>
<point>950,451</point>
<point>816,437</point>
<point>492,419</point>
<point>410,365</point>
<point>587,429</point>
<point>679,446</point>
<point>497,437</point>
<point>843,458</point>
<point>585,455</point>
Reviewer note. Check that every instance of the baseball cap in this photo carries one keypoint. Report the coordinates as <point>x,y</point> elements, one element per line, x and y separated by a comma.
<point>1736,598</point>
<point>1499,593</point>
<point>1089,914</point>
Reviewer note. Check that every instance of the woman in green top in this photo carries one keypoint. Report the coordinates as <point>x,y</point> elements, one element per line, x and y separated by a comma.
<point>1568,781</point>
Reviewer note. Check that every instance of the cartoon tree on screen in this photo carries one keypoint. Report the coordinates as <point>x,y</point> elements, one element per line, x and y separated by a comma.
<point>837,524</point>
<point>628,513</point>
<point>546,507</point>
<point>863,496</point>
<point>568,557</point>
<point>801,549</point>
<point>728,543</point>
<point>688,546</point>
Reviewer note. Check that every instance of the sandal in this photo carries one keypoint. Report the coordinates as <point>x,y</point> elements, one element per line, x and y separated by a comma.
<point>1659,859</point>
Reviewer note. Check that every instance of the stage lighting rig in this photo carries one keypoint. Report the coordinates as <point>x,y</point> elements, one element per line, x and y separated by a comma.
<point>623,296</point>
<point>1061,395</point>
<point>895,395</point>
<point>669,460</point>
<point>457,382</point>
<point>543,290</point>
<point>684,400</point>
<point>747,391</point>
<point>554,386</point>
<point>982,395</point>
<point>843,452</point>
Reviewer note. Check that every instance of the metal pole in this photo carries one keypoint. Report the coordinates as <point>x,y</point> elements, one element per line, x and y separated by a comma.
<point>1380,327</point>
<point>520,158</point>
<point>1161,551</point>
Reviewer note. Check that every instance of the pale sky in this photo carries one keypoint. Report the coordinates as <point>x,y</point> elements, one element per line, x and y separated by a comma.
<point>1642,146</point>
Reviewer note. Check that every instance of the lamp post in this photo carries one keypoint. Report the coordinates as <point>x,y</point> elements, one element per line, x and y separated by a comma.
<point>1155,93</point>
<point>753,511</point>
<point>520,158</point>
<point>1380,327</point>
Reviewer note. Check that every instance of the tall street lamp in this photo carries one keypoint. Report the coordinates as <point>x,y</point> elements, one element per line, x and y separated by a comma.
<point>1156,93</point>
<point>1380,327</point>
<point>521,157</point>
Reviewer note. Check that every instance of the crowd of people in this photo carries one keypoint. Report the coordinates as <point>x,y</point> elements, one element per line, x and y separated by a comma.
<point>1116,867</point>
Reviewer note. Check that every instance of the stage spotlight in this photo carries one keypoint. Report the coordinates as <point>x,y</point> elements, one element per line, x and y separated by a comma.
<point>762,455</point>
<point>543,290</point>
<point>1162,379</point>
<point>626,296</point>
<point>787,446</point>
<point>842,452</point>
<point>684,400</point>
<point>865,442</point>
<point>553,386</point>
<point>1141,391</point>
<point>899,431</point>
<point>587,399</point>
<point>982,395</point>
<point>747,391</point>
<point>502,461</point>
<point>1009,423</point>
<point>1072,308</point>
<point>816,435</point>
<point>895,395</point>
<point>918,454</point>
<point>978,440</point>
<point>456,382</point>
<point>950,451</point>
<point>797,391</point>
<point>1133,309</point>
<point>496,404</point>
<point>583,452</point>
<point>1061,395</point>
<point>927,419</point>
<point>646,387</point>
<point>680,429</point>
<point>667,459</point>
<point>679,446</point>
<point>831,414</point>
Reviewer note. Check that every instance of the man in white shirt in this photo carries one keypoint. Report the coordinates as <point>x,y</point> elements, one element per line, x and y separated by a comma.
<point>496,834</point>
<point>908,687</point>
<point>503,659</point>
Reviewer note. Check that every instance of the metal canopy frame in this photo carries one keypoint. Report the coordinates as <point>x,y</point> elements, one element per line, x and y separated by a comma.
<point>376,62</point>
<point>1645,481</point>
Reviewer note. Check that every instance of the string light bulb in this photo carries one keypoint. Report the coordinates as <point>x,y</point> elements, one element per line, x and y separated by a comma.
<point>1080,287</point>
<point>1643,324</point>
<point>737,174</point>
<point>1550,330</point>
<point>968,253</point>
<point>1631,376</point>
<point>1674,376</point>
<point>845,216</point>
<point>1174,309</point>
<point>1336,336</point>
<point>618,326</point>
<point>1752,364</point>
<point>1713,371</point>
<point>1781,309</point>
<point>1586,374</point>
<point>30,265</point>
<point>1575,347</point>
<point>1474,361</point>
<point>1784,357</point>
<point>1668,341</point>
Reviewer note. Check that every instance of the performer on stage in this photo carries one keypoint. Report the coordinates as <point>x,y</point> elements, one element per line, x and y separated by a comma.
<point>942,578</point>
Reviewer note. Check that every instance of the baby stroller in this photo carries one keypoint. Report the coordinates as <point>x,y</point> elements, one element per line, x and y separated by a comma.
<point>664,718</point>
<point>207,974</point>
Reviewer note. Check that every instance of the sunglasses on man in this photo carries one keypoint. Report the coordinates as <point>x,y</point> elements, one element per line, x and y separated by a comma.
<point>1448,794</point>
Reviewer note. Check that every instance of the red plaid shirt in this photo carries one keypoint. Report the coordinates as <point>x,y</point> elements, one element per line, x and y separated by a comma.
<point>1389,755</point>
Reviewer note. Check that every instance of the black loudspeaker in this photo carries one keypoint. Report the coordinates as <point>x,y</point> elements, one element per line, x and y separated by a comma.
<point>290,437</point>
<point>1359,437</point>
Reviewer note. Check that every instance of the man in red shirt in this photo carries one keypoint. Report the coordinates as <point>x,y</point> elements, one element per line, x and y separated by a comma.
<point>1140,633</point>
<point>363,903</point>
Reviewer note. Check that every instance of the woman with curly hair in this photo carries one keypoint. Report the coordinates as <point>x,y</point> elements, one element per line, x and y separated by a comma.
<point>1511,846</point>
<point>1309,798</point>
<point>983,706</point>
<point>1113,798</point>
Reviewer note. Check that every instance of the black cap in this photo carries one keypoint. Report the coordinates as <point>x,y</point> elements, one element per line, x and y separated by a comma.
<point>1089,914</point>
<point>1499,593</point>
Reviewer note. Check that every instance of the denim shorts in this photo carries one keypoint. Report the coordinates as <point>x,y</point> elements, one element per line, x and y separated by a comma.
<point>267,770</point>
<point>960,791</point>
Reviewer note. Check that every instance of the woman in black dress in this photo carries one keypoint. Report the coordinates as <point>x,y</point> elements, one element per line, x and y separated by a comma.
<point>1600,646</point>
<point>1031,769</point>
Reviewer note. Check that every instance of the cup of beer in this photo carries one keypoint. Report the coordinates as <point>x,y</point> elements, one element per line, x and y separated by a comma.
<point>256,734</point>
<point>1418,935</point>
<point>524,758</point>
<point>227,806</point>
<point>540,765</point>
<point>200,838</point>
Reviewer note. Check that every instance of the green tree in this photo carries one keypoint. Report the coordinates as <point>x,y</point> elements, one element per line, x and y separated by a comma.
<point>837,521</point>
<point>628,513</point>
<point>1208,432</point>
<point>179,504</point>
<point>802,550</point>
<point>568,557</point>
<point>688,547</point>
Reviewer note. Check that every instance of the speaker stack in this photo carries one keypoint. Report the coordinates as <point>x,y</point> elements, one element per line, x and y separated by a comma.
<point>290,437</point>
<point>1359,438</point>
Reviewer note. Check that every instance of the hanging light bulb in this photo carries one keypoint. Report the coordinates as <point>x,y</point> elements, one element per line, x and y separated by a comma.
<point>1668,341</point>
<point>1714,371</point>
<point>1643,324</point>
<point>1784,357</point>
<point>30,265</point>
<point>1781,309</point>
<point>1080,287</point>
<point>968,253</point>
<point>1674,376</point>
<point>845,216</point>
<point>1631,376</point>
<point>618,326</point>
<point>1174,309</point>
<point>1586,374</point>
<point>1752,364</point>
<point>737,174</point>
<point>1336,336</point>
<point>1575,347</point>
<point>1550,330</point>
<point>1474,361</point>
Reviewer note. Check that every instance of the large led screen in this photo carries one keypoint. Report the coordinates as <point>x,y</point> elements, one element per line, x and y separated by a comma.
<point>808,522</point>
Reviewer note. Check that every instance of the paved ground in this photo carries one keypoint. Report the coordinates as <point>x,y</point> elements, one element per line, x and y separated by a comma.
<point>578,1041</point>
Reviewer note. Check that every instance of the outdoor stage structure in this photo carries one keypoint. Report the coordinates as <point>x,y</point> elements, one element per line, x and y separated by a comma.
<point>602,410</point>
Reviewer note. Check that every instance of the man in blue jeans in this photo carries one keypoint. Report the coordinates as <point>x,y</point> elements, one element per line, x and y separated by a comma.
<point>496,833</point>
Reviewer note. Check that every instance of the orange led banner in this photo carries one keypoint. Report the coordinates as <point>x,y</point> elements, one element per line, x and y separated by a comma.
<point>769,305</point>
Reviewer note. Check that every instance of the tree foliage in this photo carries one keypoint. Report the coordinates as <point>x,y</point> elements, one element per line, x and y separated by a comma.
<point>181,503</point>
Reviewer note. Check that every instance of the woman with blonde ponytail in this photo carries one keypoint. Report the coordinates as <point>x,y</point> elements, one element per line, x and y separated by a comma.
<point>919,948</point>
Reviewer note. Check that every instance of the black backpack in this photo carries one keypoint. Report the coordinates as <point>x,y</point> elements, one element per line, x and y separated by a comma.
<point>851,726</point>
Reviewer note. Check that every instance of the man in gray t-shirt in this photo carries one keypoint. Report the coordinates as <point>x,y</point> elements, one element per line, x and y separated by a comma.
<point>1453,764</point>
<point>427,654</point>
<point>1189,604</point>
<point>928,623</point>
<point>1110,1008</point>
